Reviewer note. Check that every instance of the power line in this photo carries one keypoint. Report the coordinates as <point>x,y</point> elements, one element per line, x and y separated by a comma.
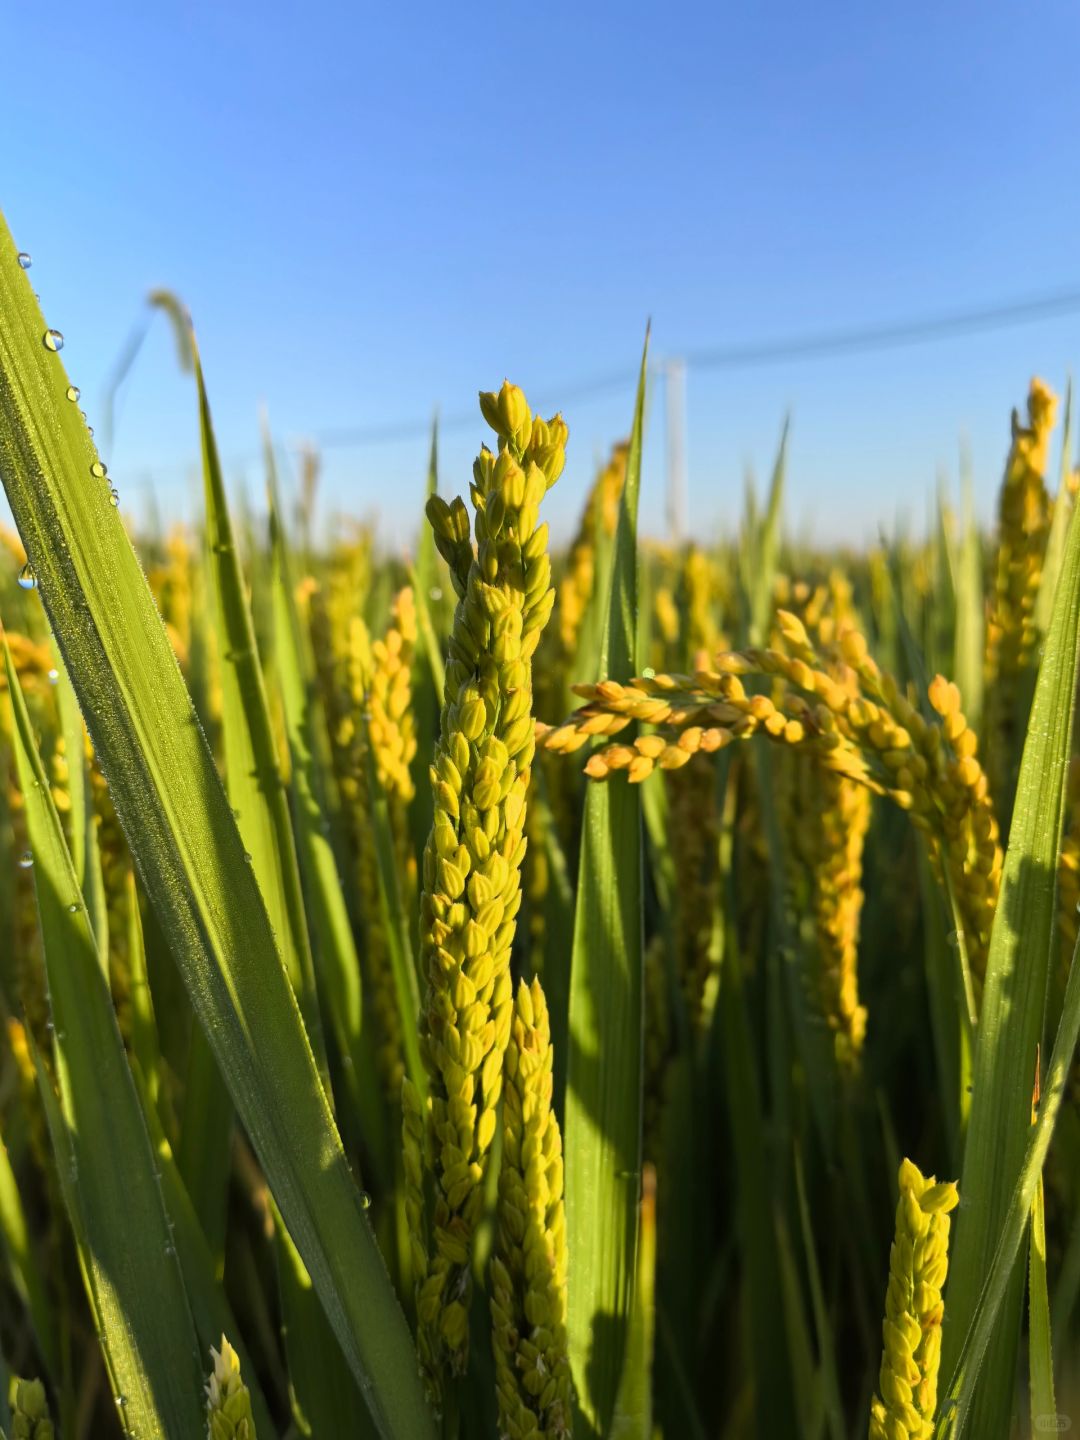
<point>817,345</point>
<point>813,346</point>
<point>357,435</point>
<point>886,337</point>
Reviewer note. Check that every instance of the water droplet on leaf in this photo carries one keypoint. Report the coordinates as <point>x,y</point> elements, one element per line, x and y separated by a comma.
<point>24,260</point>
<point>26,859</point>
<point>53,340</point>
<point>73,393</point>
<point>27,578</point>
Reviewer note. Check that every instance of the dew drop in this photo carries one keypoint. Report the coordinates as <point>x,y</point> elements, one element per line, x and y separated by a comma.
<point>114,498</point>
<point>73,908</point>
<point>27,578</point>
<point>73,393</point>
<point>26,859</point>
<point>247,857</point>
<point>54,676</point>
<point>365,1200</point>
<point>649,673</point>
<point>98,470</point>
<point>53,340</point>
<point>435,592</point>
<point>24,260</point>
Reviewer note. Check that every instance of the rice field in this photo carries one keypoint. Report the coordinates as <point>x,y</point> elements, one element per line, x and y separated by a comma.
<point>610,990</point>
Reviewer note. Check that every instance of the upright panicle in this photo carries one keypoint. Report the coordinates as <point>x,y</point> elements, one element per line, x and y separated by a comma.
<point>30,1411</point>
<point>598,519</point>
<point>1024,512</point>
<point>379,686</point>
<point>228,1403</point>
<point>528,1275</point>
<point>904,1408</point>
<point>472,862</point>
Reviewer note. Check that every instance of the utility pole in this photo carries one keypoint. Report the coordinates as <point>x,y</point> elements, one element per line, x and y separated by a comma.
<point>675,437</point>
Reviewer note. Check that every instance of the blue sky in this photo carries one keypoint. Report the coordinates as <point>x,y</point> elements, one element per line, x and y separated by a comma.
<point>373,211</point>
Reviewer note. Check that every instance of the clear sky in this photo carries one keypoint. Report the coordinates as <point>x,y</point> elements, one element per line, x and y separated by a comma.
<point>373,211</point>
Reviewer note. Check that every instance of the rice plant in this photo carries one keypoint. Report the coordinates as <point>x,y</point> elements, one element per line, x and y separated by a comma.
<point>527,991</point>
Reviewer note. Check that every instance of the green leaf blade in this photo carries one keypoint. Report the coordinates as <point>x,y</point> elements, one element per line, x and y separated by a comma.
<point>147,1332</point>
<point>1013,1007</point>
<point>603,1091</point>
<point>189,851</point>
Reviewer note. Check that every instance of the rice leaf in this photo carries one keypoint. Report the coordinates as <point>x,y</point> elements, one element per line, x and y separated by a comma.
<point>204,1148</point>
<point>174,810</point>
<point>252,774</point>
<point>259,801</point>
<point>634,1408</point>
<point>22,1266</point>
<point>969,641</point>
<point>603,1089</point>
<point>764,545</point>
<point>335,950</point>
<point>211,1313</point>
<point>830,1380</point>
<point>82,829</point>
<point>1066,1292</point>
<point>754,1206</point>
<point>428,677</point>
<point>960,1401</point>
<point>1013,1005</point>
<point>805,1381</point>
<point>396,925</point>
<point>324,1395</point>
<point>429,647</point>
<point>1040,1344</point>
<point>1059,526</point>
<point>146,1331</point>
<point>71,726</point>
<point>144,1038</point>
